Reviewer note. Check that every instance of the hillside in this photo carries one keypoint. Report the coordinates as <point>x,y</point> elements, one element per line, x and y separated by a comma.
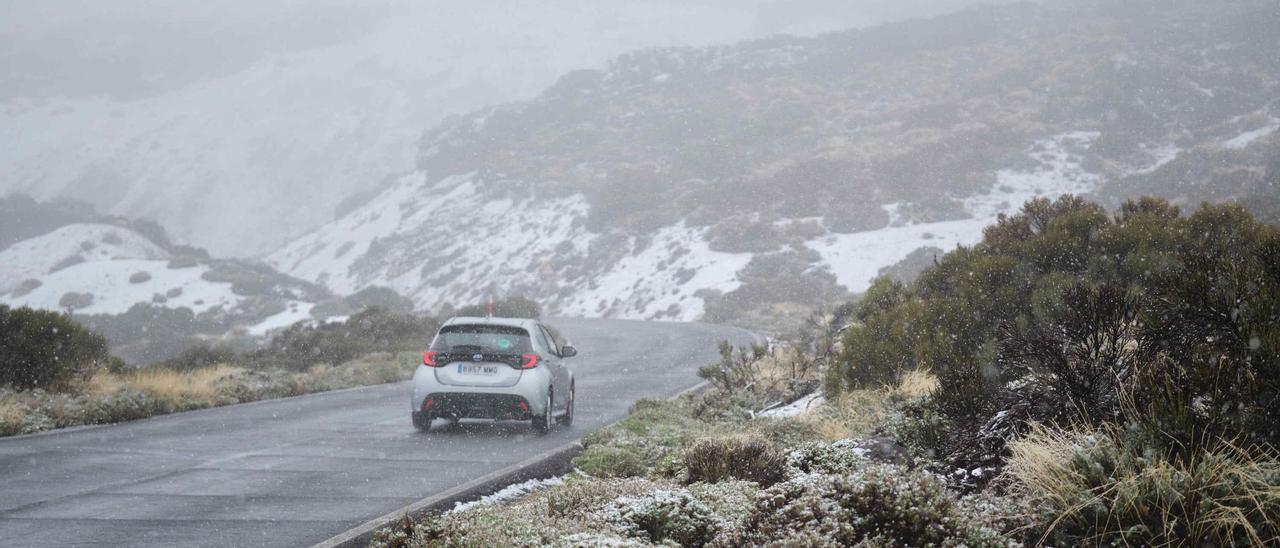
<point>769,175</point>
<point>150,297</point>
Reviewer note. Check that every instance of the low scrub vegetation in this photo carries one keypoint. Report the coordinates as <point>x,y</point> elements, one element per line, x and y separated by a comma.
<point>711,469</point>
<point>1075,379</point>
<point>56,373</point>
<point>47,349</point>
<point>109,397</point>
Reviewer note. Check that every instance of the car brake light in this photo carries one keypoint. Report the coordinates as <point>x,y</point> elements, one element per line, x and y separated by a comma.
<point>530,361</point>
<point>429,359</point>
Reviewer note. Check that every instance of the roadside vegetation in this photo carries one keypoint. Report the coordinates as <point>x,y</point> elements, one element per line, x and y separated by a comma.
<point>55,373</point>
<point>1077,378</point>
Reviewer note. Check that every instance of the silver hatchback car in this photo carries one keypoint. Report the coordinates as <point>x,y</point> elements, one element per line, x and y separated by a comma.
<point>496,368</point>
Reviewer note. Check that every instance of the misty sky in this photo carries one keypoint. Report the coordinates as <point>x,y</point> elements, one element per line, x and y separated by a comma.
<point>240,124</point>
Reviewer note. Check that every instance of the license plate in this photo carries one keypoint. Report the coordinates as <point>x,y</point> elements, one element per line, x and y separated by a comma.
<point>483,369</point>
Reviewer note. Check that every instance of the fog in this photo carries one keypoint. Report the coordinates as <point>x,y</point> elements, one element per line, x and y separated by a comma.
<point>238,125</point>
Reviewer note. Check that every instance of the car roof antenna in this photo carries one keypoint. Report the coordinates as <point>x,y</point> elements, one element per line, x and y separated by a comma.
<point>489,308</point>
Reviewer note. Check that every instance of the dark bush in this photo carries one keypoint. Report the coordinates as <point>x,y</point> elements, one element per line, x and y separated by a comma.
<point>373,330</point>
<point>1062,314</point>
<point>510,307</point>
<point>199,356</point>
<point>41,349</point>
<point>378,297</point>
<point>26,287</point>
<point>139,277</point>
<point>75,301</point>
<point>749,458</point>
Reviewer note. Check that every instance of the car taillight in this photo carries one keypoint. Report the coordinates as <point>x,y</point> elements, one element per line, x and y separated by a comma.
<point>429,359</point>
<point>529,361</point>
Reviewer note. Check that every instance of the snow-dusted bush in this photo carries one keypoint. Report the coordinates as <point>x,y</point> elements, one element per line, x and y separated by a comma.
<point>838,457</point>
<point>661,515</point>
<point>877,504</point>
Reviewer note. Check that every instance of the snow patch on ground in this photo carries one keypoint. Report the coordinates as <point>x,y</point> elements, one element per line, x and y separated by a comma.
<point>660,281</point>
<point>856,259</point>
<point>1159,157</point>
<point>509,493</point>
<point>1243,140</point>
<point>453,242</point>
<point>33,258</point>
<point>294,312</point>
<point>795,408</point>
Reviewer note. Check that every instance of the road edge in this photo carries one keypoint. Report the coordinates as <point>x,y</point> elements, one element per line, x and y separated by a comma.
<point>549,463</point>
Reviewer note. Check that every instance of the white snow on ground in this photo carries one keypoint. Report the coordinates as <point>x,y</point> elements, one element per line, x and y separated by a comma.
<point>1245,139</point>
<point>650,285</point>
<point>35,257</point>
<point>450,242</point>
<point>294,312</point>
<point>795,408</point>
<point>856,259</point>
<point>510,492</point>
<point>1159,157</point>
<point>328,254</point>
<point>113,293</point>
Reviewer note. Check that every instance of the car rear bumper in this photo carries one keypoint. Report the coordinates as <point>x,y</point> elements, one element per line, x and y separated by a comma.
<point>481,401</point>
<point>473,405</point>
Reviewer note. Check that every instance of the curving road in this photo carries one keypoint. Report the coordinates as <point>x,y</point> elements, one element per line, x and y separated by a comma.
<point>297,471</point>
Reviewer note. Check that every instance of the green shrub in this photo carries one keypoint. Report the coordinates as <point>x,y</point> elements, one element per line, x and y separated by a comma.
<point>302,345</point>
<point>41,349</point>
<point>198,357</point>
<point>877,504</point>
<point>1061,313</point>
<point>720,458</point>
<point>510,307</point>
<point>610,461</point>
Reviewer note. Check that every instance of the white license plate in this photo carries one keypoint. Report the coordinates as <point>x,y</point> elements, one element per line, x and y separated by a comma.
<point>483,369</point>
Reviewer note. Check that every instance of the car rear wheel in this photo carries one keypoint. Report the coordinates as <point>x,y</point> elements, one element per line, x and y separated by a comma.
<point>421,422</point>
<point>567,418</point>
<point>542,424</point>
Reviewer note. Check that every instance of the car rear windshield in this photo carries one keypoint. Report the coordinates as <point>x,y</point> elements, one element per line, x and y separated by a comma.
<point>488,339</point>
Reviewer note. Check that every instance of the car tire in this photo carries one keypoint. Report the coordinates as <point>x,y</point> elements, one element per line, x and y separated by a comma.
<point>567,418</point>
<point>542,424</point>
<point>421,422</point>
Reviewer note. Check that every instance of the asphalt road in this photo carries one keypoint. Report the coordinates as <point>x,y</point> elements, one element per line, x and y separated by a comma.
<point>297,471</point>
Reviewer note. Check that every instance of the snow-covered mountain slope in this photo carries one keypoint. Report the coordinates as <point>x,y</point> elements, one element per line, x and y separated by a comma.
<point>104,270</point>
<point>67,246</point>
<point>242,157</point>
<point>778,174</point>
<point>447,243</point>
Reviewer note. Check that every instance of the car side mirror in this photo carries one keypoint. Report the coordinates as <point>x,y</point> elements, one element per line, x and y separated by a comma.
<point>567,351</point>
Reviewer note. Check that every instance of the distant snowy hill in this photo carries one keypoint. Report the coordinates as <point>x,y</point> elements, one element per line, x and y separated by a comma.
<point>770,175</point>
<point>128,284</point>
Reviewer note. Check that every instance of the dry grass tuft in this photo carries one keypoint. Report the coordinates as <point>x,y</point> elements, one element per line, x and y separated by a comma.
<point>917,384</point>
<point>1091,487</point>
<point>170,385</point>
<point>12,414</point>
<point>857,413</point>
